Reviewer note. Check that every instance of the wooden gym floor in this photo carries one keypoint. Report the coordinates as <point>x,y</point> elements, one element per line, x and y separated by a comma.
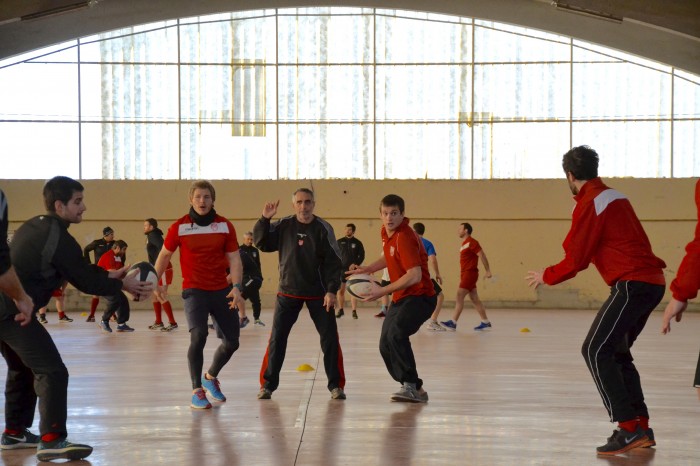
<point>502,397</point>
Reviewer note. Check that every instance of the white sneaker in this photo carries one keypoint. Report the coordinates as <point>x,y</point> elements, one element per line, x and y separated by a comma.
<point>434,326</point>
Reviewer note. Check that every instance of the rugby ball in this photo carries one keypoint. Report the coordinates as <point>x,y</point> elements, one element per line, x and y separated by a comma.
<point>361,284</point>
<point>144,272</point>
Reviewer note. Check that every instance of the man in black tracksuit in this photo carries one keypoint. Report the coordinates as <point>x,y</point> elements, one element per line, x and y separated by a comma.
<point>44,255</point>
<point>310,270</point>
<point>352,252</point>
<point>252,275</point>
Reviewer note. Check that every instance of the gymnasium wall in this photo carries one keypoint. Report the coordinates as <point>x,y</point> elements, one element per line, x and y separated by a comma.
<point>519,223</point>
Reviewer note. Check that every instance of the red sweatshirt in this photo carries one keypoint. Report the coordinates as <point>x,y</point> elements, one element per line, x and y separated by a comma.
<point>687,281</point>
<point>605,231</point>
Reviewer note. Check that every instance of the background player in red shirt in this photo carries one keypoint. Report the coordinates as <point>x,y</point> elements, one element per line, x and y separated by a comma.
<point>469,254</point>
<point>686,284</point>
<point>208,246</point>
<point>413,298</point>
<point>110,261</point>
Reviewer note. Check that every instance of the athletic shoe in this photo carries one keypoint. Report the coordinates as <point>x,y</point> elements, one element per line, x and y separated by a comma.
<point>410,394</point>
<point>212,387</point>
<point>450,325</point>
<point>62,449</point>
<point>104,325</point>
<point>622,441</point>
<point>483,326</point>
<point>259,323</point>
<point>338,394</point>
<point>380,314</point>
<point>650,441</point>
<point>354,314</point>
<point>24,440</point>
<point>90,319</point>
<point>156,326</point>
<point>199,400</point>
<point>264,394</point>
<point>169,328</point>
<point>42,319</point>
<point>433,325</point>
<point>65,318</point>
<point>340,313</point>
<point>244,321</point>
<point>124,328</point>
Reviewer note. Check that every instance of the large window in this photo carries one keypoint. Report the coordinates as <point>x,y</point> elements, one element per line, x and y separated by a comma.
<point>340,93</point>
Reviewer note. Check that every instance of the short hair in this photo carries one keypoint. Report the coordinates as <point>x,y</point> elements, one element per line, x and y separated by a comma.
<point>467,227</point>
<point>248,233</point>
<point>120,243</point>
<point>582,162</point>
<point>304,190</point>
<point>203,184</point>
<point>60,188</point>
<point>351,225</point>
<point>419,228</point>
<point>393,200</point>
<point>153,222</point>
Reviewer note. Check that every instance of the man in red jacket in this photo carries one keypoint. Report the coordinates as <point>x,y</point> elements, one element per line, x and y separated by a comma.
<point>605,231</point>
<point>687,283</point>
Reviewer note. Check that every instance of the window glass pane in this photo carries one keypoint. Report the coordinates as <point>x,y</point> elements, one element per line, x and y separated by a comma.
<point>39,150</point>
<point>213,151</point>
<point>325,151</point>
<point>227,41</point>
<point>641,149</point>
<point>686,98</point>
<point>126,151</point>
<point>129,92</point>
<point>519,150</point>
<point>44,54</point>
<point>330,36</point>
<point>494,45</point>
<point>533,91</point>
<point>420,93</point>
<point>622,56</point>
<point>129,46</point>
<point>402,40</point>
<point>217,93</point>
<point>624,90</point>
<point>324,93</point>
<point>420,151</point>
<point>27,92</point>
<point>519,30</point>
<point>686,140</point>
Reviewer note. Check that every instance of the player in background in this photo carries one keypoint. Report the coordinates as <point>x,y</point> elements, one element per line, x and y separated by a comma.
<point>154,243</point>
<point>352,253</point>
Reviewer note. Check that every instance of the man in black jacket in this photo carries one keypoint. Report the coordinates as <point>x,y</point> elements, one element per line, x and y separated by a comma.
<point>45,255</point>
<point>154,243</point>
<point>310,270</point>
<point>252,277</point>
<point>352,252</point>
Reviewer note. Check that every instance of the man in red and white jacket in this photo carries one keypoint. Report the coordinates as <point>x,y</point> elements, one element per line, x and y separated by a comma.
<point>687,282</point>
<point>605,231</point>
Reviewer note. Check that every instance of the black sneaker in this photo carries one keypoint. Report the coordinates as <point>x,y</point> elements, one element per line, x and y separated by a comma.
<point>650,442</point>
<point>24,440</point>
<point>42,319</point>
<point>65,318</point>
<point>124,328</point>
<point>169,328</point>
<point>354,314</point>
<point>621,441</point>
<point>90,319</point>
<point>62,449</point>
<point>339,314</point>
<point>264,394</point>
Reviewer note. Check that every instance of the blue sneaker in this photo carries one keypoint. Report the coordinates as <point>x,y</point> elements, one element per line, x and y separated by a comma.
<point>62,449</point>
<point>449,325</point>
<point>212,388</point>
<point>244,321</point>
<point>24,440</point>
<point>199,400</point>
<point>104,325</point>
<point>483,326</point>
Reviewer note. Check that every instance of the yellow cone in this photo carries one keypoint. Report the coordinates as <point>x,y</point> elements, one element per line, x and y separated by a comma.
<point>83,314</point>
<point>524,330</point>
<point>305,368</point>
